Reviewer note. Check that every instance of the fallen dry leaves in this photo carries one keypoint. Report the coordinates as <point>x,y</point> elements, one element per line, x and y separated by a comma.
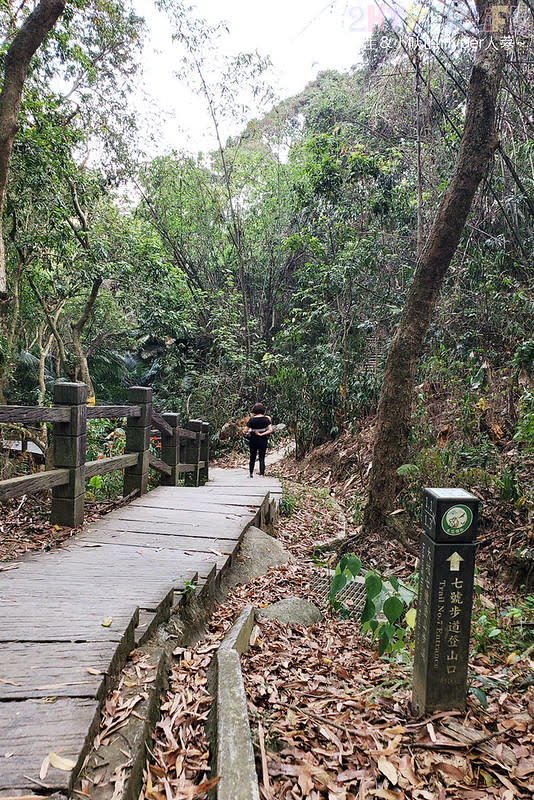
<point>24,527</point>
<point>337,724</point>
<point>179,767</point>
<point>107,766</point>
<point>329,719</point>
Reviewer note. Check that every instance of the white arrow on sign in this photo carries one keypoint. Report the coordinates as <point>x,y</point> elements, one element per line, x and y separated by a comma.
<point>455,562</point>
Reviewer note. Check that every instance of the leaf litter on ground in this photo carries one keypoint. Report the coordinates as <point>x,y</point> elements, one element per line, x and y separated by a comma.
<point>329,718</point>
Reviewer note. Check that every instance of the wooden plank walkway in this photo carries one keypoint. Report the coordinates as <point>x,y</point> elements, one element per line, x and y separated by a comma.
<point>127,566</point>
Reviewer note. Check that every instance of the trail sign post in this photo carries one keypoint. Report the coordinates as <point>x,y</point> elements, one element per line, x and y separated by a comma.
<point>445,600</point>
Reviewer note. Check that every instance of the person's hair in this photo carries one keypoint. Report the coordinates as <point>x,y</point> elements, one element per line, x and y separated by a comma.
<point>259,408</point>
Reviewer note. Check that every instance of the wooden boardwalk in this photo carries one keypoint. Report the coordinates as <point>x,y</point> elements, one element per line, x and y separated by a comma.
<point>128,566</point>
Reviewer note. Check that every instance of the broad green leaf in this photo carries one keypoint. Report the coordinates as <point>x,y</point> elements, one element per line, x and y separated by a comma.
<point>386,638</point>
<point>406,593</point>
<point>354,565</point>
<point>389,629</point>
<point>480,695</point>
<point>373,584</point>
<point>383,643</point>
<point>368,611</point>
<point>393,608</point>
<point>337,584</point>
<point>342,565</point>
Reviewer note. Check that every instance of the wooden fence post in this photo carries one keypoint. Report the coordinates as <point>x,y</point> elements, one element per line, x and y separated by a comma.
<point>192,452</point>
<point>138,440</point>
<point>69,446</point>
<point>170,450</point>
<point>205,453</point>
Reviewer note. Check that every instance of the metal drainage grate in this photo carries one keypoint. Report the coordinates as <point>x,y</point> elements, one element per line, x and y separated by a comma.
<point>353,594</point>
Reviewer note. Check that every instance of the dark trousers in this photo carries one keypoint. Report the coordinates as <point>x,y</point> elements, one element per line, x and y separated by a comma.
<point>258,445</point>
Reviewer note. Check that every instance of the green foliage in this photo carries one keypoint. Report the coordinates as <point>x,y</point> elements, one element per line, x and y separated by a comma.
<point>359,504</point>
<point>509,489</point>
<point>347,567</point>
<point>524,356</point>
<point>388,600</point>
<point>287,503</point>
<point>104,439</point>
<point>407,470</point>
<point>505,631</point>
<point>445,466</point>
<point>274,268</point>
<point>525,426</point>
<point>480,695</point>
<point>190,588</point>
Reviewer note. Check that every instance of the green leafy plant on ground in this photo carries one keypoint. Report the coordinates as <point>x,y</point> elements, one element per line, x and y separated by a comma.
<point>287,503</point>
<point>505,636</point>
<point>388,614</point>
<point>190,588</point>
<point>525,426</point>
<point>446,466</point>
<point>508,630</point>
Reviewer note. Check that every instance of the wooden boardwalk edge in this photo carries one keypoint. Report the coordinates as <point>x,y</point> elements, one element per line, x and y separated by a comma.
<point>59,658</point>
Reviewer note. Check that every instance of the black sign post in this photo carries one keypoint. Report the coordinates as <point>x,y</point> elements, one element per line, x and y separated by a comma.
<point>445,600</point>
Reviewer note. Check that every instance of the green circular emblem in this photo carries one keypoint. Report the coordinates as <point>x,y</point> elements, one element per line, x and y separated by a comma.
<point>457,520</point>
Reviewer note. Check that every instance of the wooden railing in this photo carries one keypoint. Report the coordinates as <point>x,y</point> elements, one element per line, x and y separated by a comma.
<point>184,451</point>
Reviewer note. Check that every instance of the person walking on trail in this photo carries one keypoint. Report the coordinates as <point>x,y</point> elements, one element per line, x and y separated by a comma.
<point>259,426</point>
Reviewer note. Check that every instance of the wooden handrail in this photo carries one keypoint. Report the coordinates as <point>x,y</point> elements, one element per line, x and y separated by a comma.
<point>101,466</point>
<point>159,465</point>
<point>159,423</point>
<point>24,414</point>
<point>27,484</point>
<point>112,412</point>
<point>184,451</point>
<point>184,433</point>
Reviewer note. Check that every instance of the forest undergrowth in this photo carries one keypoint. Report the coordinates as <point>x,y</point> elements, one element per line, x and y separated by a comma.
<point>330,718</point>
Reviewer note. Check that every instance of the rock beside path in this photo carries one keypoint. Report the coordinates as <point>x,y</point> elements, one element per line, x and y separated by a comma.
<point>257,553</point>
<point>291,610</point>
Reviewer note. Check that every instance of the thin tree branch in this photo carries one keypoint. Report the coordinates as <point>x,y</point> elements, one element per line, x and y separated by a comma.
<point>91,300</point>
<point>51,322</point>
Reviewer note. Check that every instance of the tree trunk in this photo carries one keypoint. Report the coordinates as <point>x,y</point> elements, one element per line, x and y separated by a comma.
<point>51,319</point>
<point>476,149</point>
<point>77,328</point>
<point>21,50</point>
<point>10,332</point>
